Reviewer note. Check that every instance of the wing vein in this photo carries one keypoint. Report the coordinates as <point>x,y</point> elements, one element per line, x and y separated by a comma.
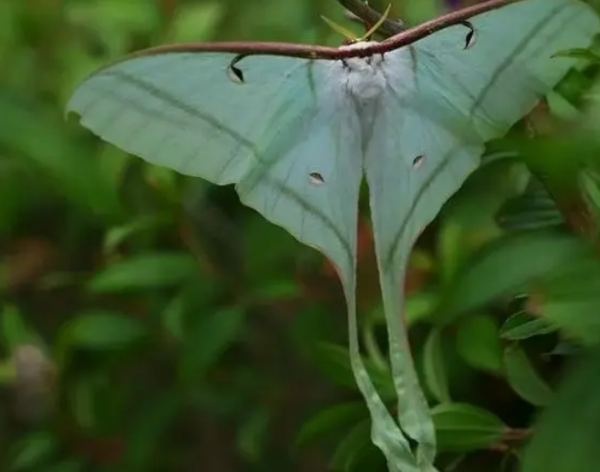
<point>512,56</point>
<point>181,106</point>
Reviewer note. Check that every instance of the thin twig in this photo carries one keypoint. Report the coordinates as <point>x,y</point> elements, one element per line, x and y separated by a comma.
<point>369,16</point>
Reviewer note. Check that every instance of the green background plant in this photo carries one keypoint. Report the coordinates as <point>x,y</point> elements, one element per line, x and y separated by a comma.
<point>149,322</point>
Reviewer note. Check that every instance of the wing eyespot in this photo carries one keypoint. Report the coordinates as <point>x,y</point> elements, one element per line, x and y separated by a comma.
<point>471,36</point>
<point>235,74</point>
<point>316,178</point>
<point>418,161</point>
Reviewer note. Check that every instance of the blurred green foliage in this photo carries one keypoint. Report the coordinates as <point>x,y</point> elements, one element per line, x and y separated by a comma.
<point>149,322</point>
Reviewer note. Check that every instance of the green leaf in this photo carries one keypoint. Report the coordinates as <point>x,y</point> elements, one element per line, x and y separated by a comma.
<point>17,194</point>
<point>113,22</point>
<point>566,436</point>
<point>252,434</point>
<point>419,306</point>
<point>330,419</point>
<point>207,340</point>
<point>82,399</point>
<point>524,326</point>
<point>509,265</point>
<point>13,329</point>
<point>173,316</point>
<point>267,265</point>
<point>436,377</point>
<point>465,427</point>
<point>566,348</point>
<point>194,297</point>
<point>8,372</point>
<point>478,343</point>
<point>147,429</point>
<point>334,362</point>
<point>523,379</point>
<point>67,465</point>
<point>351,447</point>
<point>589,181</point>
<point>571,300</point>
<point>573,88</point>
<point>449,249</point>
<point>195,21</point>
<point>579,53</point>
<point>55,153</point>
<point>147,271</point>
<point>9,27</point>
<point>34,450</point>
<point>102,330</point>
<point>277,290</point>
<point>534,209</point>
<point>117,235</point>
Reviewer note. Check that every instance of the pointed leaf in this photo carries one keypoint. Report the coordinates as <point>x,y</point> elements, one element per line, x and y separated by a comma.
<point>117,235</point>
<point>566,436</point>
<point>509,265</point>
<point>57,156</point>
<point>34,450</point>
<point>571,300</point>
<point>522,326</point>
<point>147,429</point>
<point>589,180</point>
<point>461,426</point>
<point>534,209</point>
<point>207,340</point>
<point>147,271</point>
<point>252,434</point>
<point>351,447</point>
<point>102,330</point>
<point>436,377</point>
<point>330,419</point>
<point>478,343</point>
<point>580,53</point>
<point>195,21</point>
<point>523,378</point>
<point>13,329</point>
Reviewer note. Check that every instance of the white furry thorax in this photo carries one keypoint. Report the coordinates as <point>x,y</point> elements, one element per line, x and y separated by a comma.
<point>366,78</point>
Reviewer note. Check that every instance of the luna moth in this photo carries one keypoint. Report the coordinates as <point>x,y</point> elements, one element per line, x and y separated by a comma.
<point>298,127</point>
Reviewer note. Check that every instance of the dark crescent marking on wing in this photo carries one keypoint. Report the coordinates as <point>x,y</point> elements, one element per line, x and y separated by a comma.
<point>235,73</point>
<point>418,161</point>
<point>471,36</point>
<point>316,178</point>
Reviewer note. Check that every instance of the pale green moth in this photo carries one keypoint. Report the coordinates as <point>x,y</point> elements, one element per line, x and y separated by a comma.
<point>297,127</point>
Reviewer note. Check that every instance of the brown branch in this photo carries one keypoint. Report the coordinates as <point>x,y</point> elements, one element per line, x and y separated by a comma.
<point>370,16</point>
